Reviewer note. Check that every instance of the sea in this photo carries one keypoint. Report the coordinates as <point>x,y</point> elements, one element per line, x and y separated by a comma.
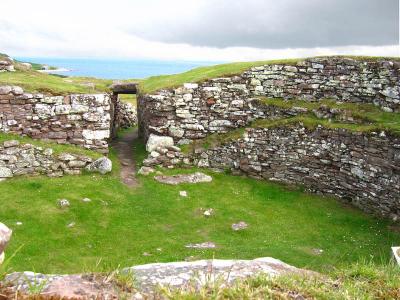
<point>115,69</point>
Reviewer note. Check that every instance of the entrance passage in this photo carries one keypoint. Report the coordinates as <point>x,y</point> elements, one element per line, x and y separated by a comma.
<point>124,143</point>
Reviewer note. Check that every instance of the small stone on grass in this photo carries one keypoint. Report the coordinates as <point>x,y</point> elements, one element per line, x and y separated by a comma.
<point>145,171</point>
<point>208,212</point>
<point>239,226</point>
<point>183,193</point>
<point>70,225</point>
<point>206,245</point>
<point>63,203</point>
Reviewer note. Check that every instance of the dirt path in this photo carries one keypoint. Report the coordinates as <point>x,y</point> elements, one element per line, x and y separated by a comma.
<point>124,148</point>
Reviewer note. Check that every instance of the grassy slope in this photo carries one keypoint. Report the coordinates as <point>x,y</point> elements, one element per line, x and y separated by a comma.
<point>32,81</point>
<point>200,74</point>
<point>120,224</point>
<point>57,148</point>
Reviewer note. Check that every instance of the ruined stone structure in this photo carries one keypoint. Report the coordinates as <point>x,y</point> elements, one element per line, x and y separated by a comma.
<point>195,110</point>
<point>25,159</point>
<point>84,120</point>
<point>363,168</point>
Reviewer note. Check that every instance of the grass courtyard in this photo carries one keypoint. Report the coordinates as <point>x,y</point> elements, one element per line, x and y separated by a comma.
<point>124,226</point>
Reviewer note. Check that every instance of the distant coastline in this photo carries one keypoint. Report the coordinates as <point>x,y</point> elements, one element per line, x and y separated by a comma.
<point>114,69</point>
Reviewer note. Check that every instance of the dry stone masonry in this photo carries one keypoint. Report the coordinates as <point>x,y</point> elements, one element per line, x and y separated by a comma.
<point>195,110</point>
<point>75,119</point>
<point>25,159</point>
<point>84,120</point>
<point>363,168</point>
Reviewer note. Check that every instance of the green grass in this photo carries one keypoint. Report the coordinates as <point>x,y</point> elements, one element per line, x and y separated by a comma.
<point>36,82</point>
<point>57,148</point>
<point>120,223</point>
<point>128,98</point>
<point>370,119</point>
<point>155,83</point>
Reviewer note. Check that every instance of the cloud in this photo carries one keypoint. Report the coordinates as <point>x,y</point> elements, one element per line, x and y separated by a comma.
<point>194,30</point>
<point>278,24</point>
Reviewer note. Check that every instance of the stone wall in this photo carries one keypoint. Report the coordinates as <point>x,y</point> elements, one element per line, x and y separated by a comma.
<point>84,120</point>
<point>195,110</point>
<point>361,168</point>
<point>25,159</point>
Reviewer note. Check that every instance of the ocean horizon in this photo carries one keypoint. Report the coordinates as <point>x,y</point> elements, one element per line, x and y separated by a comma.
<point>116,68</point>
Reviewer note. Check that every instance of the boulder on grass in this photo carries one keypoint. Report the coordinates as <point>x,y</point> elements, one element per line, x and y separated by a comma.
<point>103,166</point>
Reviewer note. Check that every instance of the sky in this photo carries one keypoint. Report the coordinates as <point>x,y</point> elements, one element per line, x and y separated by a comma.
<point>198,30</point>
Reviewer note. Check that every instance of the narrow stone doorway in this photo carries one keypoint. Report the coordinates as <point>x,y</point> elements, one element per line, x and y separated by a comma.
<point>123,144</point>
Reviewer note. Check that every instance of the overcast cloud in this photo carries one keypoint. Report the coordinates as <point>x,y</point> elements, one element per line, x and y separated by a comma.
<point>279,24</point>
<point>219,30</point>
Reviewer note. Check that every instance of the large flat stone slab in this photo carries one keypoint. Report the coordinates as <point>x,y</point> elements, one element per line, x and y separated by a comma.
<point>151,276</point>
<point>178,274</point>
<point>197,177</point>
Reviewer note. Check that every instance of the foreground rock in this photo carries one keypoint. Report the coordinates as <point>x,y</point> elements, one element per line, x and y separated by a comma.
<point>149,277</point>
<point>5,235</point>
<point>86,286</point>
<point>197,177</point>
<point>178,274</point>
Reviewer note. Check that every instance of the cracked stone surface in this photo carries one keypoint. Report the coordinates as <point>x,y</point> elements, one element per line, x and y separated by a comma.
<point>149,277</point>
